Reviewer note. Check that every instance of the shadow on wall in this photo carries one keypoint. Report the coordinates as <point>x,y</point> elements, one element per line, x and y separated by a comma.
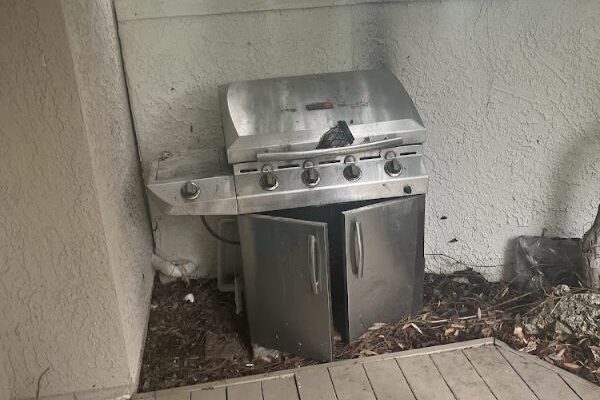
<point>575,187</point>
<point>574,196</point>
<point>180,108</point>
<point>508,271</point>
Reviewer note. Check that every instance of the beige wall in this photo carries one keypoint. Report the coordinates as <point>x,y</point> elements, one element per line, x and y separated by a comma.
<point>106,114</point>
<point>4,389</point>
<point>510,94</point>
<point>175,64</point>
<point>508,90</point>
<point>74,240</point>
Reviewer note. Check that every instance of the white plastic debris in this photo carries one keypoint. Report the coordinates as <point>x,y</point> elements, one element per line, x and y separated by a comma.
<point>265,354</point>
<point>189,297</point>
<point>170,271</point>
<point>518,332</point>
<point>376,325</point>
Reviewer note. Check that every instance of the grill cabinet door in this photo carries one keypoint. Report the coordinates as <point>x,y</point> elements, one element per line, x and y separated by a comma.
<point>286,281</point>
<point>384,262</point>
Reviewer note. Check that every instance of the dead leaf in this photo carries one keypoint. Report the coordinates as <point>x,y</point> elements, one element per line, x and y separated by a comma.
<point>487,331</point>
<point>417,328</point>
<point>572,367</point>
<point>531,347</point>
<point>367,353</point>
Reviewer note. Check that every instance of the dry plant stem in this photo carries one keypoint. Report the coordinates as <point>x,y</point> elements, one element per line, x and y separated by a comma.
<point>454,310</point>
<point>590,246</point>
<point>512,300</point>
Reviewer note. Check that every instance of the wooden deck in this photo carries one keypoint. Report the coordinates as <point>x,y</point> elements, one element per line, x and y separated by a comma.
<point>476,370</point>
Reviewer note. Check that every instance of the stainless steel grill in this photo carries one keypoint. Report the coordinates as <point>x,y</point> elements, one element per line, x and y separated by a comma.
<point>326,174</point>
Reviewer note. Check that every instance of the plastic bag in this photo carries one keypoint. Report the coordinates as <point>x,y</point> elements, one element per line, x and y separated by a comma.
<point>543,262</point>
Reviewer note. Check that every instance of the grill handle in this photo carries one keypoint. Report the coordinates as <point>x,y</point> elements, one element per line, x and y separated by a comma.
<point>334,151</point>
<point>313,257</point>
<point>359,256</point>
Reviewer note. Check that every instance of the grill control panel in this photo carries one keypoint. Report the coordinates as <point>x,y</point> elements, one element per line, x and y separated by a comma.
<point>289,184</point>
<point>266,186</point>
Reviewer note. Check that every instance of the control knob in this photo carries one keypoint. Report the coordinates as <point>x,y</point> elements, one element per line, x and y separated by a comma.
<point>311,177</point>
<point>393,167</point>
<point>268,181</point>
<point>190,190</point>
<point>352,172</point>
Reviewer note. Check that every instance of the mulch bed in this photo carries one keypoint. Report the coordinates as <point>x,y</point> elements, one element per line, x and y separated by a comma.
<point>458,307</point>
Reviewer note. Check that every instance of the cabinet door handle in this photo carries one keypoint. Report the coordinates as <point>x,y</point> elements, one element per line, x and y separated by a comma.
<point>313,258</point>
<point>359,256</point>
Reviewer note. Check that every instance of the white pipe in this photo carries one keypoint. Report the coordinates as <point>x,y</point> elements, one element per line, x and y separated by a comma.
<point>170,272</point>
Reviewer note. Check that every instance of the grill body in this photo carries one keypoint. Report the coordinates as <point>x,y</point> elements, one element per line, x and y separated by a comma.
<point>331,237</point>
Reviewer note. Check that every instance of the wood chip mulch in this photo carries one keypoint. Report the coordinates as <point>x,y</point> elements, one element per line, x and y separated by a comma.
<point>457,307</point>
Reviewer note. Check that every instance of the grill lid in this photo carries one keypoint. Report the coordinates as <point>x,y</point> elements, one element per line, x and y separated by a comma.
<point>293,113</point>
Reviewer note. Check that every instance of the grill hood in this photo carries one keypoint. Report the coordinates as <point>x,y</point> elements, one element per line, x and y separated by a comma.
<point>293,113</point>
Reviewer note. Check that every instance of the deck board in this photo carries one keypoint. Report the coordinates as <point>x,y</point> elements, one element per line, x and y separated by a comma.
<point>424,379</point>
<point>173,396</point>
<point>245,391</point>
<point>544,383</point>
<point>461,376</point>
<point>387,380</point>
<point>585,390</point>
<point>210,394</point>
<point>315,384</point>
<point>481,369</point>
<point>351,382</point>
<point>498,374</point>
<point>280,388</point>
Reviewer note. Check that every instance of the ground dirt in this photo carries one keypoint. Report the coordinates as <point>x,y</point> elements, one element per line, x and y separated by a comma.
<point>203,341</point>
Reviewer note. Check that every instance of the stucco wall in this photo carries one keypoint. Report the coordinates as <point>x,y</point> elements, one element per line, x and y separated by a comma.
<point>67,250</point>
<point>509,91</point>
<point>174,66</point>
<point>4,391</point>
<point>510,94</point>
<point>117,173</point>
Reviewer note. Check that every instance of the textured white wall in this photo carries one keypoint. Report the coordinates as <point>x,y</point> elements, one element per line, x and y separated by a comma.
<point>174,66</point>
<point>510,94</point>
<point>4,382</point>
<point>509,91</point>
<point>117,173</point>
<point>73,234</point>
<point>58,305</point>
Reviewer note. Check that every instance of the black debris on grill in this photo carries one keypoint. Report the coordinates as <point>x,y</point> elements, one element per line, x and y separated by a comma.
<point>338,136</point>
